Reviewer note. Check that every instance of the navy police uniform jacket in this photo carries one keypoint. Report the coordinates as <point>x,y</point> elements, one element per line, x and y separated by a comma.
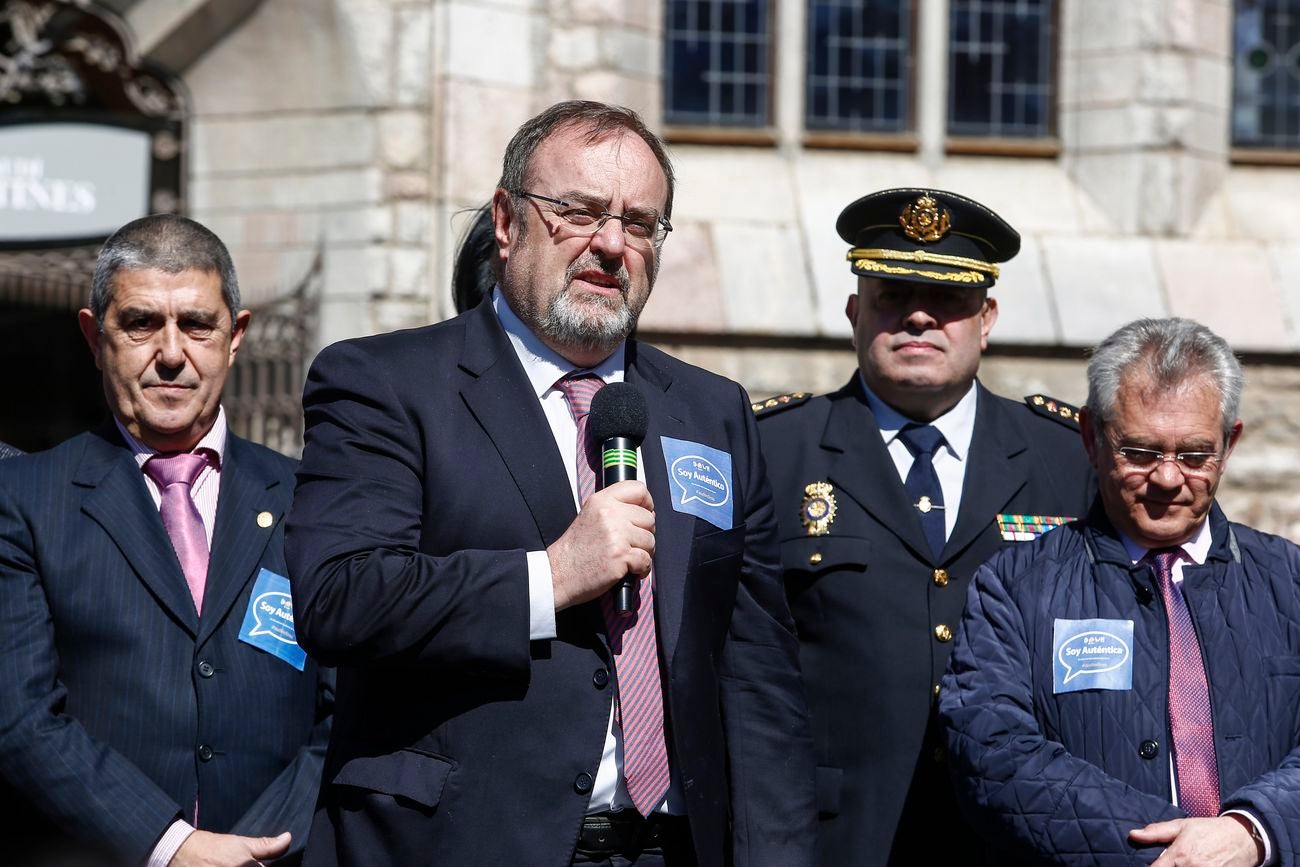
<point>1062,777</point>
<point>875,609</point>
<point>429,472</point>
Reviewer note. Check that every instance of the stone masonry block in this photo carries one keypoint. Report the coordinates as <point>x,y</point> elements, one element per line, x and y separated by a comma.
<point>281,143</point>
<point>473,139</point>
<point>1195,275</point>
<point>631,51</point>
<point>1026,310</point>
<point>1098,284</point>
<point>414,55</point>
<point>574,49</point>
<point>403,139</point>
<point>471,26</point>
<point>688,294</point>
<point>764,281</point>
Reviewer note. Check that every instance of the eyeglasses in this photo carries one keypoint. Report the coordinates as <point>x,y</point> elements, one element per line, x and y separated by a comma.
<point>1146,460</point>
<point>641,231</point>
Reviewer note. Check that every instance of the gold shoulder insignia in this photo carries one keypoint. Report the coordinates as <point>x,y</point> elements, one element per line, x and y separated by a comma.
<point>763,408</point>
<point>1057,410</point>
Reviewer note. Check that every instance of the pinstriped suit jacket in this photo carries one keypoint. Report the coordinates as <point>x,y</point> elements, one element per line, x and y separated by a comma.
<point>120,707</point>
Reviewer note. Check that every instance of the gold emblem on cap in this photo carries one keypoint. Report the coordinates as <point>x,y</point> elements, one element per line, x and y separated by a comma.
<point>818,509</point>
<point>924,221</point>
<point>265,519</point>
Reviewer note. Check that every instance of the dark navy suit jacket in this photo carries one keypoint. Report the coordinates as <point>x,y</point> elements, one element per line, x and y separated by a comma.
<point>119,705</point>
<point>869,595</point>
<point>429,471</point>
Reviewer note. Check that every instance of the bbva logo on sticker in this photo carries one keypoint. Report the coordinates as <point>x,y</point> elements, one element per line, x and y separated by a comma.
<point>700,480</point>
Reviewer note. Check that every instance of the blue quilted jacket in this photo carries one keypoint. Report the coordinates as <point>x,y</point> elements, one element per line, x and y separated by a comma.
<point>1062,778</point>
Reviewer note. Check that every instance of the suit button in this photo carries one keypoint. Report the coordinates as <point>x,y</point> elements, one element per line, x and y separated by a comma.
<point>600,679</point>
<point>1148,749</point>
<point>206,669</point>
<point>205,753</point>
<point>936,690</point>
<point>582,783</point>
<point>942,632</point>
<point>941,577</point>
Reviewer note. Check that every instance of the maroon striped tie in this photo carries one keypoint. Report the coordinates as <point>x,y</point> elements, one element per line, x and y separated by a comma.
<point>640,708</point>
<point>1190,721</point>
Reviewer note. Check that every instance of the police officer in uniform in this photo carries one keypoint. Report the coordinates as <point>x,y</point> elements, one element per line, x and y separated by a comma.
<point>890,493</point>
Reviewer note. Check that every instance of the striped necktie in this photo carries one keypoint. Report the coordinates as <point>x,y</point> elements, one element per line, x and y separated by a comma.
<point>640,709</point>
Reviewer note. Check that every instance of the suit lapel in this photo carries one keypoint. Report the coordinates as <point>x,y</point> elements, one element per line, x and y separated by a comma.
<point>861,467</point>
<point>238,540</point>
<point>995,472</point>
<point>118,500</point>
<point>674,530</point>
<point>502,400</point>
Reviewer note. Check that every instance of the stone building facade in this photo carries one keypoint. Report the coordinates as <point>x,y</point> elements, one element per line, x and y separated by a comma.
<point>362,131</point>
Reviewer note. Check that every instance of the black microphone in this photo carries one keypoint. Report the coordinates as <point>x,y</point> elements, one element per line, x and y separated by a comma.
<point>618,422</point>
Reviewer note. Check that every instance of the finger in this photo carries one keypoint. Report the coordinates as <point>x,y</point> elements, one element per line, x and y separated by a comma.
<point>269,847</point>
<point>641,540</point>
<point>1157,832</point>
<point>634,492</point>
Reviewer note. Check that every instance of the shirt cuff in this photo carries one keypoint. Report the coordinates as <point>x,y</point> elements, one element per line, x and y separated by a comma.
<point>1263,835</point>
<point>541,598</point>
<point>166,848</point>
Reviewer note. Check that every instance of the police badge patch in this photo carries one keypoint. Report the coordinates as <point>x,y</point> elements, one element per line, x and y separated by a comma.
<point>818,509</point>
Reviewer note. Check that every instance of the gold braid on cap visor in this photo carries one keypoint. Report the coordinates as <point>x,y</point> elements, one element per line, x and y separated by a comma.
<point>867,258</point>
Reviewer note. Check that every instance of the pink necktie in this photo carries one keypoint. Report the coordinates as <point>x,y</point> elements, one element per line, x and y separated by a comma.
<point>640,709</point>
<point>174,475</point>
<point>1190,721</point>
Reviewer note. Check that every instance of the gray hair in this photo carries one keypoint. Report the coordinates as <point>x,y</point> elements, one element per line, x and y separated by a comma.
<point>167,243</point>
<point>1168,353</point>
<point>598,120</point>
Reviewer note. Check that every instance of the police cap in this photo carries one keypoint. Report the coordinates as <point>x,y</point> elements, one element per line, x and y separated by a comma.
<point>927,236</point>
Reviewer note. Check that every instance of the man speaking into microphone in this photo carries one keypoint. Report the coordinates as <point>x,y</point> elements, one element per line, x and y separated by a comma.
<point>454,553</point>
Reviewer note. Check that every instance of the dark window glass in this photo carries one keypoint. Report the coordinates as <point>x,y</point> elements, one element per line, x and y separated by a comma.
<point>1000,72</point>
<point>859,74</point>
<point>1266,75</point>
<point>716,67</point>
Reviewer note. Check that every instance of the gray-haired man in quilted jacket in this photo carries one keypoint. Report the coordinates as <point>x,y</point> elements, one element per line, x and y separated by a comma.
<point>1127,688</point>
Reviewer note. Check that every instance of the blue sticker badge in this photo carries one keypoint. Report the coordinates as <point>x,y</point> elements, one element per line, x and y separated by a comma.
<point>1092,654</point>
<point>700,479</point>
<point>268,623</point>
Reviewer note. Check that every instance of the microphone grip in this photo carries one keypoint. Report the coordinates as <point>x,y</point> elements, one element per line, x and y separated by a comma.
<point>618,464</point>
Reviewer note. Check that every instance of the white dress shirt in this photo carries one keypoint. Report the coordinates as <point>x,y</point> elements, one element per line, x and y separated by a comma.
<point>544,368</point>
<point>957,426</point>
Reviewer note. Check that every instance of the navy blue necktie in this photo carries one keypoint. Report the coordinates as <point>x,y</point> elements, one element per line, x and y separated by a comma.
<point>923,483</point>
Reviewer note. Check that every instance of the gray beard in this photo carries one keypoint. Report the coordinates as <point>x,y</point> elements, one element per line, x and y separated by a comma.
<point>570,323</point>
<point>595,324</point>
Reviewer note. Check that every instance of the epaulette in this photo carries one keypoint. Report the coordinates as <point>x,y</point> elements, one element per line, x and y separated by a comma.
<point>763,408</point>
<point>1057,410</point>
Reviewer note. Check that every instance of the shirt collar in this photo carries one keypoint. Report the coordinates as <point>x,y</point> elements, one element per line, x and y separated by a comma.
<point>957,424</point>
<point>1197,548</point>
<point>543,365</point>
<point>214,441</point>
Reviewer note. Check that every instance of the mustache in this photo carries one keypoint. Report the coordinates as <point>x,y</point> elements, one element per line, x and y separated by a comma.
<point>593,263</point>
